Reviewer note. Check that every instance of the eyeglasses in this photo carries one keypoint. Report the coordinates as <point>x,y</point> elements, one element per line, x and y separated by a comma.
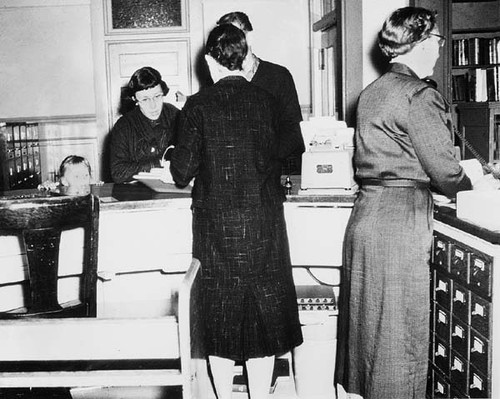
<point>441,39</point>
<point>156,98</point>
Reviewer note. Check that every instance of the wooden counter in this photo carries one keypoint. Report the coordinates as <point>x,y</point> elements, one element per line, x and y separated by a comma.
<point>133,196</point>
<point>448,216</point>
<point>145,240</point>
<point>145,246</point>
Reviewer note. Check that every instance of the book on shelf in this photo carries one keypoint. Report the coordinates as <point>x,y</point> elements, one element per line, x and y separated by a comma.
<point>477,84</point>
<point>475,51</point>
<point>460,87</point>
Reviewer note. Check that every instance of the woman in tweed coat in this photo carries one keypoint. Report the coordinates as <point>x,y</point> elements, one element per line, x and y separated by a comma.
<point>228,142</point>
<point>403,145</point>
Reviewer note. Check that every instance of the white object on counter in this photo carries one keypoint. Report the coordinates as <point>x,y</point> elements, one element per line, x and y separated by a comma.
<point>473,169</point>
<point>479,180</point>
<point>160,180</point>
<point>162,174</point>
<point>480,207</point>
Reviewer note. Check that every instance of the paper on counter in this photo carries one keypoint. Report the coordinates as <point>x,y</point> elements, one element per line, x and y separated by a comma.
<point>473,169</point>
<point>480,181</point>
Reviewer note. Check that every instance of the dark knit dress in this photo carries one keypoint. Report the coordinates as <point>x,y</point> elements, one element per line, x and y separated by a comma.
<point>383,332</point>
<point>228,142</point>
<point>137,143</point>
<point>278,81</point>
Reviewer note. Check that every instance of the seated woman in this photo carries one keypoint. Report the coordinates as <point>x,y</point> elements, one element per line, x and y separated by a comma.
<point>141,136</point>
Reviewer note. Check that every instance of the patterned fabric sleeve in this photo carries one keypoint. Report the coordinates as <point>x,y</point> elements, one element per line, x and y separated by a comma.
<point>185,158</point>
<point>431,139</point>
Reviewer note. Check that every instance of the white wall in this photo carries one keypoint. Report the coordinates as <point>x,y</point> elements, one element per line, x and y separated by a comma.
<point>46,58</point>
<point>374,14</point>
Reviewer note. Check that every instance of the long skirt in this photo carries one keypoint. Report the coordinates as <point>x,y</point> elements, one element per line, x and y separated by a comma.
<point>383,333</point>
<point>248,298</point>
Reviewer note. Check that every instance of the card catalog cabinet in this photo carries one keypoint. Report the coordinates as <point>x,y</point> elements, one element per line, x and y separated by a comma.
<point>462,328</point>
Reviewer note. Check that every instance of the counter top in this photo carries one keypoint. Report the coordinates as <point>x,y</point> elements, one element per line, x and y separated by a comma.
<point>448,215</point>
<point>118,197</point>
<point>136,196</point>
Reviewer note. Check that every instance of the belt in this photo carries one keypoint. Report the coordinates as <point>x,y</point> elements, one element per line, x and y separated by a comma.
<point>395,183</point>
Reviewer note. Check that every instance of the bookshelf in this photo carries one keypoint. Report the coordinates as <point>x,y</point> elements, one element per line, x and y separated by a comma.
<point>475,67</point>
<point>479,122</point>
<point>474,51</point>
<point>468,71</point>
<point>19,156</point>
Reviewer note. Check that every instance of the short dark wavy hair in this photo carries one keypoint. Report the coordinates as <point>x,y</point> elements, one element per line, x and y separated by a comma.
<point>238,19</point>
<point>145,78</point>
<point>227,45</point>
<point>404,28</point>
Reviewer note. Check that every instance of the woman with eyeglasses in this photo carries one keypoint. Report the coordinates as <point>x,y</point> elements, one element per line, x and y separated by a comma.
<point>141,136</point>
<point>403,146</point>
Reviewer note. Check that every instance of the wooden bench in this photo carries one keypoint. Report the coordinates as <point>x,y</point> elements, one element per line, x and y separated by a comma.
<point>80,340</point>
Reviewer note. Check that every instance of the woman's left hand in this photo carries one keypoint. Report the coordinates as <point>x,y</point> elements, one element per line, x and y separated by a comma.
<point>494,169</point>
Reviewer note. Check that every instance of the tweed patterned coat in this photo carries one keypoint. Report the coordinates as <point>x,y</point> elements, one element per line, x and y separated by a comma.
<point>229,143</point>
<point>383,335</point>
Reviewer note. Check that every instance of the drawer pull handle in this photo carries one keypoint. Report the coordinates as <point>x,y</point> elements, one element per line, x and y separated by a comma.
<point>477,383</point>
<point>478,310</point>
<point>442,286</point>
<point>459,332</point>
<point>439,388</point>
<point>478,346</point>
<point>459,255</point>
<point>459,297</point>
<point>441,351</point>
<point>479,264</point>
<point>457,365</point>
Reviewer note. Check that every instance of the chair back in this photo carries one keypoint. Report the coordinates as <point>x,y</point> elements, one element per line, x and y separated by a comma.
<point>39,222</point>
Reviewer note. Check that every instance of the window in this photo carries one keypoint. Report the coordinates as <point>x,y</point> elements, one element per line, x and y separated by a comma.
<point>134,16</point>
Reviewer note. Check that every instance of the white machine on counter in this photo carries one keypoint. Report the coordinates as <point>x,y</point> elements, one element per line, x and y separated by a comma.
<point>327,166</point>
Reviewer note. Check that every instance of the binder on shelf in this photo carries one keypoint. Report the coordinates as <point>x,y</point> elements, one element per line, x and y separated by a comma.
<point>31,166</point>
<point>4,175</point>
<point>24,165</point>
<point>481,93</point>
<point>37,164</point>
<point>20,156</point>
<point>18,167</point>
<point>22,132</point>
